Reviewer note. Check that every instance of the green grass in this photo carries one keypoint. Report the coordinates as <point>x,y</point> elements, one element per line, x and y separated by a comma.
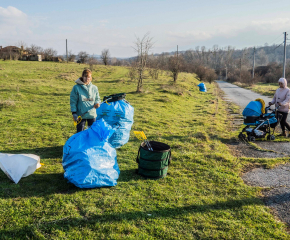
<point>267,89</point>
<point>203,196</point>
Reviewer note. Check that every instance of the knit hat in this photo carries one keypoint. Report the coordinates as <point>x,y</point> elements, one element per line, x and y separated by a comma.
<point>283,81</point>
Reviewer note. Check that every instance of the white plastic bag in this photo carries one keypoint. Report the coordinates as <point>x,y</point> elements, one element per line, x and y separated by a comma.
<point>16,166</point>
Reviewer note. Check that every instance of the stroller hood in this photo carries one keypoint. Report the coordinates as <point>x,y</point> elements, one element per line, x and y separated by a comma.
<point>253,109</point>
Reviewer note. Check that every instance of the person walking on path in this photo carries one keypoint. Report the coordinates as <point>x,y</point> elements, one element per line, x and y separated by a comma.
<point>84,99</point>
<point>282,99</point>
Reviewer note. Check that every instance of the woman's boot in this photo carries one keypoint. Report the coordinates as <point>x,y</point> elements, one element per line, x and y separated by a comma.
<point>283,134</point>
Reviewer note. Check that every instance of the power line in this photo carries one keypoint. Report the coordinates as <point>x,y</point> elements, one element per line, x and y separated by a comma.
<point>278,46</point>
<point>275,39</point>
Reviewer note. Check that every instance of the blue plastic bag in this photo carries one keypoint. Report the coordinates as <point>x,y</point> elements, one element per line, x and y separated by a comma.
<point>89,161</point>
<point>119,115</point>
<point>202,87</point>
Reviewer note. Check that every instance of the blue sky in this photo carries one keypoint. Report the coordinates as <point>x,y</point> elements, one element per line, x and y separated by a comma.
<point>114,24</point>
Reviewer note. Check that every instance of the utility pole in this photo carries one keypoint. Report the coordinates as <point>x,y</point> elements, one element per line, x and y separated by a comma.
<point>66,50</point>
<point>253,75</point>
<point>284,63</point>
<point>240,70</point>
<point>177,60</point>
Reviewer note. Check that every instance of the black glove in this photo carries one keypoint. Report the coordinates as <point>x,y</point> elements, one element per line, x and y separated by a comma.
<point>75,117</point>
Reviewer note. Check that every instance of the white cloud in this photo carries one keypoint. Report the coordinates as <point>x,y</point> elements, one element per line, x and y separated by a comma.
<point>15,25</point>
<point>278,23</point>
<point>12,16</point>
<point>13,22</point>
<point>245,34</point>
<point>197,35</point>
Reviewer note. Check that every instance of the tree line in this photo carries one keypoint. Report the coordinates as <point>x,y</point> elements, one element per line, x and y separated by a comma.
<point>208,64</point>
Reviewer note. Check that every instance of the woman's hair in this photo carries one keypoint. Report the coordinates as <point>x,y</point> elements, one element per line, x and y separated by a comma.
<point>86,73</point>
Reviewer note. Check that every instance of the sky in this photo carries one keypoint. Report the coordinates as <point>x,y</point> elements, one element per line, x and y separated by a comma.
<point>94,25</point>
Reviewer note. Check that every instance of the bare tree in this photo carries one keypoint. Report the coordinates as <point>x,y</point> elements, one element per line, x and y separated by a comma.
<point>71,57</point>
<point>83,56</point>
<point>22,45</point>
<point>174,63</point>
<point>210,75</point>
<point>142,47</point>
<point>105,56</point>
<point>200,72</point>
<point>262,57</point>
<point>49,54</point>
<point>92,62</point>
<point>34,49</point>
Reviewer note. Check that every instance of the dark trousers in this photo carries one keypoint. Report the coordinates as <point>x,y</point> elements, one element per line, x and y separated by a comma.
<point>283,121</point>
<point>81,125</point>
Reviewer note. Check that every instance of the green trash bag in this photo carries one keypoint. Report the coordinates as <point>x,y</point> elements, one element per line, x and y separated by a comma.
<point>153,164</point>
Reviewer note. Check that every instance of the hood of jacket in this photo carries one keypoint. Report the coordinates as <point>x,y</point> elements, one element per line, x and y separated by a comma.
<point>283,81</point>
<point>79,81</point>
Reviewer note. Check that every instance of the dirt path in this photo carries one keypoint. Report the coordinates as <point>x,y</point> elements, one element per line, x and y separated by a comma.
<point>276,181</point>
<point>240,96</point>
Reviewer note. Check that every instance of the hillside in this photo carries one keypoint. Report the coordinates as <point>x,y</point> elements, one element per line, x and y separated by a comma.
<point>203,197</point>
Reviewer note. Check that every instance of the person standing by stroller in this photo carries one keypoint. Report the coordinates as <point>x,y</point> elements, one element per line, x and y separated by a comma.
<point>84,99</point>
<point>282,99</point>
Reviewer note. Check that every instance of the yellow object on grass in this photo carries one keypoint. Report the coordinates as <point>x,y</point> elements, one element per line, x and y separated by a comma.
<point>263,104</point>
<point>141,136</point>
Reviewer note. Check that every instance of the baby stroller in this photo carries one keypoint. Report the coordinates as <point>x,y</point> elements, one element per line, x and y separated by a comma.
<point>259,121</point>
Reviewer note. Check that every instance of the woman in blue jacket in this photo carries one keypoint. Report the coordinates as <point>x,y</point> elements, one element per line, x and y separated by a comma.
<point>84,99</point>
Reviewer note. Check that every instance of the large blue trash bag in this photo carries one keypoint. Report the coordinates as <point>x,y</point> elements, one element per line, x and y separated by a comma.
<point>89,161</point>
<point>202,87</point>
<point>119,115</point>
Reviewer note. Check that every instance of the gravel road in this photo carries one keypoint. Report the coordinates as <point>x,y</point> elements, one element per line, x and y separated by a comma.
<point>277,179</point>
<point>240,96</point>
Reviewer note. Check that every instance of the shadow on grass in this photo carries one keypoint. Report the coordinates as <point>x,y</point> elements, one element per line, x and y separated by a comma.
<point>110,81</point>
<point>46,152</point>
<point>35,185</point>
<point>128,175</point>
<point>65,224</point>
<point>42,184</point>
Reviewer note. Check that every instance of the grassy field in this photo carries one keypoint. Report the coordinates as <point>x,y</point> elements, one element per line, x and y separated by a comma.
<point>203,197</point>
<point>267,89</point>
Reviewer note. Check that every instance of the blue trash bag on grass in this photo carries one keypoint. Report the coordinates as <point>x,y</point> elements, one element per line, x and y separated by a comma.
<point>119,115</point>
<point>89,161</point>
<point>202,87</point>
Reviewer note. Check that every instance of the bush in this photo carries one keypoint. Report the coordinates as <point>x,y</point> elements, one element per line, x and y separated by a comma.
<point>200,71</point>
<point>205,74</point>
<point>210,75</point>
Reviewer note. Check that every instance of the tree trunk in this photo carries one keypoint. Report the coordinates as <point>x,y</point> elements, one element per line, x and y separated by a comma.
<point>140,81</point>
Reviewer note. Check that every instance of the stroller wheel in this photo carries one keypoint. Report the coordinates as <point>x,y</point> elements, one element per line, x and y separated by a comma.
<point>271,137</point>
<point>242,136</point>
<point>251,138</point>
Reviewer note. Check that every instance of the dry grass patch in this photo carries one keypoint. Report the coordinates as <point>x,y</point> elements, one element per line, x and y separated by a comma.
<point>7,103</point>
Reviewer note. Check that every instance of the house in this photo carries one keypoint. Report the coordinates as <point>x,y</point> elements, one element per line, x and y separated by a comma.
<point>35,57</point>
<point>13,49</point>
<point>9,49</point>
<point>12,52</point>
